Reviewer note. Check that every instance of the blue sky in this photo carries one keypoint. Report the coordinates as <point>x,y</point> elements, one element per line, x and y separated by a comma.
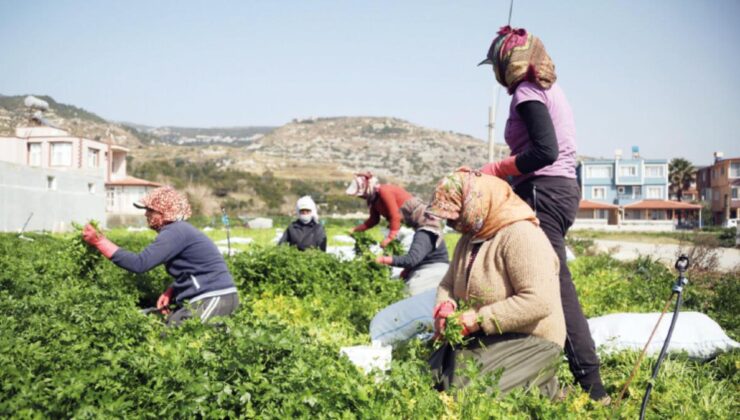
<point>660,74</point>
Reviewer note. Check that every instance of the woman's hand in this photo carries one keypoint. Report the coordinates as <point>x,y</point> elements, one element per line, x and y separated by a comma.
<point>163,302</point>
<point>469,321</point>
<point>440,314</point>
<point>96,239</point>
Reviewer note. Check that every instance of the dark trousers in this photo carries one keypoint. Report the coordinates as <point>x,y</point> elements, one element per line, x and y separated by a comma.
<point>205,309</point>
<point>555,200</point>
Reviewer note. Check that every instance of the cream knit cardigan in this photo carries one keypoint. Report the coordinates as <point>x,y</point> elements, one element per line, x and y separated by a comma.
<point>514,283</point>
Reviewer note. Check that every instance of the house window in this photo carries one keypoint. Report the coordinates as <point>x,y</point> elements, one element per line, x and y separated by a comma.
<point>657,214</point>
<point>628,170</point>
<point>93,158</point>
<point>654,171</point>
<point>735,170</point>
<point>735,193</point>
<point>51,183</point>
<point>637,190</point>
<point>715,194</point>
<point>654,192</point>
<point>602,214</point>
<point>34,154</point>
<point>600,171</point>
<point>91,187</point>
<point>61,154</point>
<point>598,193</point>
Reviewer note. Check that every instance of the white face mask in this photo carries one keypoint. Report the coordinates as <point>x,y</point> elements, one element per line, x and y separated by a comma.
<point>305,218</point>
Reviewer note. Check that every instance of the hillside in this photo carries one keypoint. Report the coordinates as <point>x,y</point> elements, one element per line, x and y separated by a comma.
<point>77,121</point>
<point>264,169</point>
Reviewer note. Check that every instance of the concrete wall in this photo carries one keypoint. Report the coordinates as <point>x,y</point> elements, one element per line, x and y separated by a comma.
<point>78,197</point>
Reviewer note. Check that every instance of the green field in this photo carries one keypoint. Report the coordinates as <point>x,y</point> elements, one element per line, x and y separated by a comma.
<point>74,344</point>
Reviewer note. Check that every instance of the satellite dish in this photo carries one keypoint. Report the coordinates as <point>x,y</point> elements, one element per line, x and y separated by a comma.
<point>34,102</point>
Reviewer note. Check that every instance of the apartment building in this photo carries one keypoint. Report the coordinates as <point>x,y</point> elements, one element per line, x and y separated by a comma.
<point>719,186</point>
<point>631,193</point>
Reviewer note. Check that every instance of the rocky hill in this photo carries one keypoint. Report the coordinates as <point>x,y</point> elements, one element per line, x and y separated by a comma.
<point>76,121</point>
<point>266,168</point>
<point>389,147</point>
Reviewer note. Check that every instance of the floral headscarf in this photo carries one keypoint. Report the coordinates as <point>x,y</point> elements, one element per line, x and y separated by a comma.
<point>516,56</point>
<point>414,212</point>
<point>478,204</point>
<point>364,185</point>
<point>173,205</point>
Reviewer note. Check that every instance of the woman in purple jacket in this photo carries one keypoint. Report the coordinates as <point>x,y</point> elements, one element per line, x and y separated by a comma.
<point>201,277</point>
<point>540,132</point>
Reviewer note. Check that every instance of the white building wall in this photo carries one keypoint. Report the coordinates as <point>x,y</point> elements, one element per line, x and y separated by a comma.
<point>121,199</point>
<point>24,190</point>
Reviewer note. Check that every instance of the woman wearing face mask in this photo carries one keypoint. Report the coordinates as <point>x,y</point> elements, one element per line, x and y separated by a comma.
<point>306,232</point>
<point>504,279</point>
<point>201,277</point>
<point>383,200</point>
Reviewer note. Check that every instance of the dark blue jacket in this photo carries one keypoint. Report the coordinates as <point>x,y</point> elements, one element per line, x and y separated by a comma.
<point>423,250</point>
<point>189,256</point>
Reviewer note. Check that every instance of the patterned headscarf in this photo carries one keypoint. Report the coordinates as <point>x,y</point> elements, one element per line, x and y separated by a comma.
<point>478,204</point>
<point>414,212</point>
<point>173,205</point>
<point>516,56</point>
<point>363,185</point>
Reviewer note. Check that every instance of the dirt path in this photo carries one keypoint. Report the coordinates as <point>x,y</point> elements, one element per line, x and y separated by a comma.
<point>729,258</point>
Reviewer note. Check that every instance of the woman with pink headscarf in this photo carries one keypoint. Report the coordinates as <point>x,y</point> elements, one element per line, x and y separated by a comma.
<point>541,134</point>
<point>201,277</point>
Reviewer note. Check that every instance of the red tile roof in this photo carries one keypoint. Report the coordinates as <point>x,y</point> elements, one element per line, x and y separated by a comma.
<point>132,181</point>
<point>662,205</point>
<point>594,205</point>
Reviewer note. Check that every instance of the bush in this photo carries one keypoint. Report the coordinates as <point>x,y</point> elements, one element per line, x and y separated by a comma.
<point>74,344</point>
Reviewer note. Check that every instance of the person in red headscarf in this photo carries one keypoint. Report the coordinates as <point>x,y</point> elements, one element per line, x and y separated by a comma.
<point>383,200</point>
<point>201,277</point>
<point>540,132</point>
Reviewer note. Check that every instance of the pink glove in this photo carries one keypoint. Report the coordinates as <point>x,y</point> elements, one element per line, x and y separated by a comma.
<point>164,300</point>
<point>440,314</point>
<point>92,237</point>
<point>384,259</point>
<point>502,168</point>
<point>469,321</point>
<point>391,236</point>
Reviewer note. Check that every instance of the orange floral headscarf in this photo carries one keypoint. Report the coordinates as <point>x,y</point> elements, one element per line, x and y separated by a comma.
<point>173,205</point>
<point>478,204</point>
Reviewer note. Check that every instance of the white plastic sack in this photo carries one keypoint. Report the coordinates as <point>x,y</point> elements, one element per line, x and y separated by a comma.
<point>695,333</point>
<point>344,238</point>
<point>236,240</point>
<point>375,356</point>
<point>260,223</point>
<point>404,319</point>
<point>344,253</point>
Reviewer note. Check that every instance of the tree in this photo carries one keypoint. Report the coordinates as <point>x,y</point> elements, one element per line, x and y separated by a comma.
<point>681,174</point>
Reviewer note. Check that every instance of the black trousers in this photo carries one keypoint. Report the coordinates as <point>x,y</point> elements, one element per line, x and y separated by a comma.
<point>555,200</point>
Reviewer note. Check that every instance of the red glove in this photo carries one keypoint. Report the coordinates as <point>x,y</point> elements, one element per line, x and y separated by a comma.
<point>391,236</point>
<point>440,314</point>
<point>469,321</point>
<point>92,237</point>
<point>359,228</point>
<point>502,168</point>
<point>384,259</point>
<point>164,300</point>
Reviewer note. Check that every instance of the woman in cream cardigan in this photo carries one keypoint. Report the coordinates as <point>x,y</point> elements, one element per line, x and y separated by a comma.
<point>505,272</point>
